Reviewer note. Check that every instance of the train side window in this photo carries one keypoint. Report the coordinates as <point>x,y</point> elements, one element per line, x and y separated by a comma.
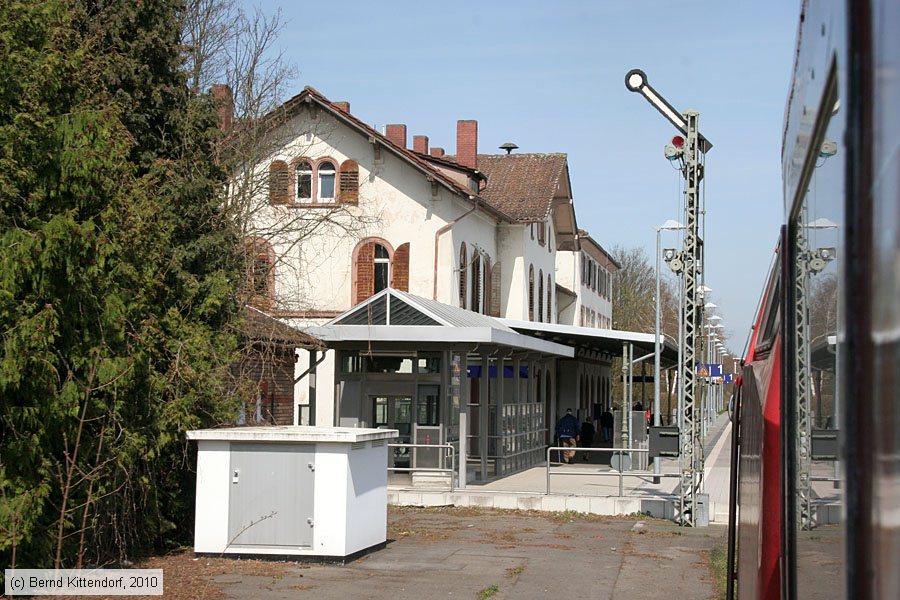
<point>771,321</point>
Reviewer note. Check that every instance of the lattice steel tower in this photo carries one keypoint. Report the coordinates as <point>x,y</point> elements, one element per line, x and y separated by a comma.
<point>690,258</point>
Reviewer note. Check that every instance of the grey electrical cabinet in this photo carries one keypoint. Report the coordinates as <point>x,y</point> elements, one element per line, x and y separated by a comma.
<point>272,495</point>
<point>303,491</point>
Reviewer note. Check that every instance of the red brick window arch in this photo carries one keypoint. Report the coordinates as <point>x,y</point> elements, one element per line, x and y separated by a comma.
<point>486,285</point>
<point>463,264</point>
<point>260,273</point>
<point>349,192</point>
<point>549,298</point>
<point>477,296</point>
<point>531,292</point>
<point>540,316</point>
<point>496,274</point>
<point>400,268</point>
<point>373,259</point>
<point>279,182</point>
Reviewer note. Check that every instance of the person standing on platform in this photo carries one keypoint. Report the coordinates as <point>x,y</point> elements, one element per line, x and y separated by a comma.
<point>567,432</point>
<point>606,426</point>
<point>587,438</point>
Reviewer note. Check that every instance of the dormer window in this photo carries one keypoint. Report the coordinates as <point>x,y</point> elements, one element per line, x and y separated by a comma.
<point>326,181</point>
<point>304,181</point>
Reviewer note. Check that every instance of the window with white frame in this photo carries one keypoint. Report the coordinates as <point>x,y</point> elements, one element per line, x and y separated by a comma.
<point>326,180</point>
<point>382,268</point>
<point>304,181</point>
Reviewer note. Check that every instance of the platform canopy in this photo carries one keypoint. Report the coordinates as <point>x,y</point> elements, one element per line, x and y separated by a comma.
<point>396,319</point>
<point>600,340</point>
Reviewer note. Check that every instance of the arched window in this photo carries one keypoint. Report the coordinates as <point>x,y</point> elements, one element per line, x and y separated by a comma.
<point>304,181</point>
<point>486,286</point>
<point>550,314</point>
<point>531,292</point>
<point>382,268</point>
<point>350,182</point>
<point>326,181</point>
<point>372,268</point>
<point>540,315</point>
<point>261,273</point>
<point>279,179</point>
<point>476,265</point>
<point>496,274</point>
<point>400,268</point>
<point>463,264</point>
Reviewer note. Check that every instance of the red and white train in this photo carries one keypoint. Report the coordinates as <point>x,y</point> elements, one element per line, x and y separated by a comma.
<point>816,460</point>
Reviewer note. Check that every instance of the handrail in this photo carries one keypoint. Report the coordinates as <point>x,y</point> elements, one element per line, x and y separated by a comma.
<point>619,474</point>
<point>451,454</point>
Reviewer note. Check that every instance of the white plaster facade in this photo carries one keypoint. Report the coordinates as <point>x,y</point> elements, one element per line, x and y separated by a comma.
<point>589,272</point>
<point>397,204</point>
<point>408,198</point>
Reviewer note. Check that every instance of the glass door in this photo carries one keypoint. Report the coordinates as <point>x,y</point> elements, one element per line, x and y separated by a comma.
<point>395,412</point>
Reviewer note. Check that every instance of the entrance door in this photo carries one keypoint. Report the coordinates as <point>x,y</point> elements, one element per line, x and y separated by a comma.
<point>395,412</point>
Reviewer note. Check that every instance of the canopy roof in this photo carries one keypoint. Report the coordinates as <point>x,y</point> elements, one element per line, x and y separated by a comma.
<point>395,319</point>
<point>600,340</point>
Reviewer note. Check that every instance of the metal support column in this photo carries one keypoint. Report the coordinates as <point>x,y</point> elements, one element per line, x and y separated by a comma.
<point>484,407</point>
<point>626,404</point>
<point>805,516</point>
<point>464,388</point>
<point>501,417</point>
<point>692,453</point>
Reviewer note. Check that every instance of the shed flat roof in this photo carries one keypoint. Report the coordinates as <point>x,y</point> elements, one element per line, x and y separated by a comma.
<point>603,340</point>
<point>292,433</point>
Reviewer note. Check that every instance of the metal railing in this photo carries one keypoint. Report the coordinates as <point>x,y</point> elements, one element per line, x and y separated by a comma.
<point>451,454</point>
<point>614,473</point>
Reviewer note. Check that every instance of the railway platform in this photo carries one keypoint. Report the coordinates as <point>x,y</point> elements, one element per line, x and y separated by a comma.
<point>586,487</point>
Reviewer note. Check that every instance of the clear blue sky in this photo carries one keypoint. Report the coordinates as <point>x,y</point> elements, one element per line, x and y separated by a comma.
<point>549,76</point>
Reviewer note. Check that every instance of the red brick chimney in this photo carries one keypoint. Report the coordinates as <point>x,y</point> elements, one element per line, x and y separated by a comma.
<point>437,151</point>
<point>343,106</point>
<point>397,134</point>
<point>467,143</point>
<point>224,100</point>
<point>420,144</point>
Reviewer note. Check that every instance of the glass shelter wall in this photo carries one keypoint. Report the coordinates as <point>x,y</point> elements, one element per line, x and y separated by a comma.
<point>506,415</point>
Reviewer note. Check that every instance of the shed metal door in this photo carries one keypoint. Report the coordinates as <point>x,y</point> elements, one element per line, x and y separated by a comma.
<point>271,499</point>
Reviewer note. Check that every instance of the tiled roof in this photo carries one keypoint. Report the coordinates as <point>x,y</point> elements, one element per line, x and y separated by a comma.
<point>261,327</point>
<point>584,236</point>
<point>522,185</point>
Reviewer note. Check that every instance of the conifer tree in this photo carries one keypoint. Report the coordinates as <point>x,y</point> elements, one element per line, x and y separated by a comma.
<point>117,278</point>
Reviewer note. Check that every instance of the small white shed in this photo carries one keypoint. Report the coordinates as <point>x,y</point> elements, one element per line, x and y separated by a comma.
<point>301,491</point>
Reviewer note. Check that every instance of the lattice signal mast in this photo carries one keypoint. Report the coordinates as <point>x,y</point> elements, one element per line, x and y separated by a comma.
<point>689,261</point>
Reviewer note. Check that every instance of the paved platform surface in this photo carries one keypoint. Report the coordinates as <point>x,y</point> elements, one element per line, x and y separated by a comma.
<point>477,553</point>
<point>588,486</point>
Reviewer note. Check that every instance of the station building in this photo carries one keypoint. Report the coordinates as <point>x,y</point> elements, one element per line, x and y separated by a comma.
<point>458,299</point>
